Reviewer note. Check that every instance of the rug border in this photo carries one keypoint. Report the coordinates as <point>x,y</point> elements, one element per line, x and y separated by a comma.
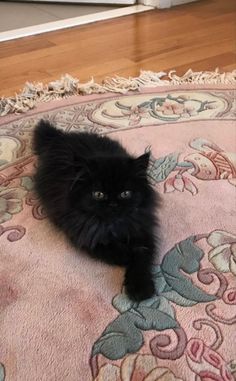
<point>67,86</point>
<point>57,103</point>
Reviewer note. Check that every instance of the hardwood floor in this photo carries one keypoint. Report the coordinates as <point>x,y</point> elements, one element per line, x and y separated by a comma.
<point>200,35</point>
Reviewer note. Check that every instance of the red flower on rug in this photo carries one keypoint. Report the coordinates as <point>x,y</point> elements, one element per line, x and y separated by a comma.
<point>180,183</point>
<point>174,108</point>
<point>135,114</point>
<point>206,363</point>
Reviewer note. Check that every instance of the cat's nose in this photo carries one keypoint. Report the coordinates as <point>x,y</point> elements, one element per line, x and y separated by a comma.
<point>113,204</point>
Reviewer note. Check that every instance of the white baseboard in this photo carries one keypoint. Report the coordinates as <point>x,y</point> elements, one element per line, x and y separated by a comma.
<point>164,3</point>
<point>72,22</point>
<point>120,2</point>
<point>178,2</point>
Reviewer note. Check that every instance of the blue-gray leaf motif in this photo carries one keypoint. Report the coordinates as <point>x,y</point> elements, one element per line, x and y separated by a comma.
<point>124,334</point>
<point>161,168</point>
<point>2,372</point>
<point>184,256</point>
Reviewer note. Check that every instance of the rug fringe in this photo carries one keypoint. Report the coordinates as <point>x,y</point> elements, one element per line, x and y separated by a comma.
<point>33,93</point>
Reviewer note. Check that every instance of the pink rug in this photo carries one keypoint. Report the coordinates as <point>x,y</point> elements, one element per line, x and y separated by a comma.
<point>63,316</point>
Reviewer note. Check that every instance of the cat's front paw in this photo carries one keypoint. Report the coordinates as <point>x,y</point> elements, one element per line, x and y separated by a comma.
<point>140,290</point>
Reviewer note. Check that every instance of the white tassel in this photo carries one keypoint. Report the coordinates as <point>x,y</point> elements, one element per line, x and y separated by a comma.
<point>33,93</point>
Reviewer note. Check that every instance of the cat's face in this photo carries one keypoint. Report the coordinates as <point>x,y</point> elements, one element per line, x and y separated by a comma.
<point>110,188</point>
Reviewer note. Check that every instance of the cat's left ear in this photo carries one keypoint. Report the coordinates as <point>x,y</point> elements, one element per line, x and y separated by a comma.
<point>141,163</point>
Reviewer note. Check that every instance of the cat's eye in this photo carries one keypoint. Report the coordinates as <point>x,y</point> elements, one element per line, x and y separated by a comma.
<point>97,195</point>
<point>126,194</point>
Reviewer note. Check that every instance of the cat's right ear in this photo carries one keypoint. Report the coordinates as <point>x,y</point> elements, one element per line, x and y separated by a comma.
<point>141,163</point>
<point>45,134</point>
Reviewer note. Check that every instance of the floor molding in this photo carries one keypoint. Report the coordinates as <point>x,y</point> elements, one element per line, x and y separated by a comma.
<point>71,22</point>
<point>164,3</point>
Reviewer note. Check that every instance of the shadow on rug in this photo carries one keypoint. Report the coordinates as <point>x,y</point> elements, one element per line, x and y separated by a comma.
<point>63,316</point>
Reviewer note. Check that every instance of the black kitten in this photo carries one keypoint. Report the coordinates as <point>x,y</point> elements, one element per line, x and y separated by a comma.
<point>99,195</point>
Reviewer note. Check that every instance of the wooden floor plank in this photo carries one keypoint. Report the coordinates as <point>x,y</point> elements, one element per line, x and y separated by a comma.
<point>200,35</point>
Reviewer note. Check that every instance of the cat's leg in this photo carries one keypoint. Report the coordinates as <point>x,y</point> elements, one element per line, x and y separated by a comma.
<point>138,278</point>
<point>111,254</point>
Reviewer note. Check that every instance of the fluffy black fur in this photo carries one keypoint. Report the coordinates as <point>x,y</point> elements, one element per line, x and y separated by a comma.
<point>80,180</point>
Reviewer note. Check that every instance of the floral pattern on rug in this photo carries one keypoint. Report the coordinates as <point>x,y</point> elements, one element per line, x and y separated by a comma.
<point>208,162</point>
<point>169,107</point>
<point>125,334</point>
<point>16,192</point>
<point>184,332</point>
<point>136,367</point>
